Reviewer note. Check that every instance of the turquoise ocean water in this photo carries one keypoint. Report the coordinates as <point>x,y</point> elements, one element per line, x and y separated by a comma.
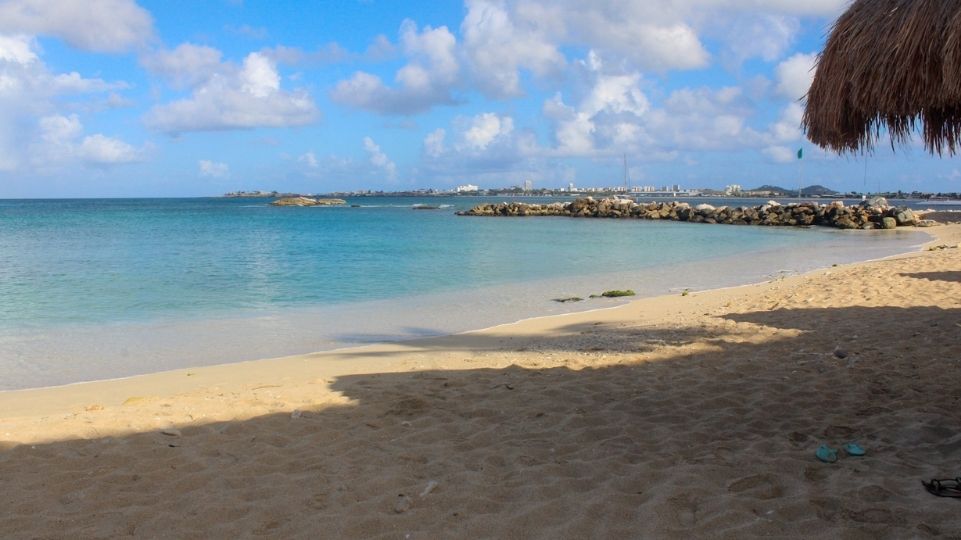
<point>93,289</point>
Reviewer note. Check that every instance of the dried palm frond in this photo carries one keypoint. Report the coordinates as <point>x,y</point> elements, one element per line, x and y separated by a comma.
<point>889,64</point>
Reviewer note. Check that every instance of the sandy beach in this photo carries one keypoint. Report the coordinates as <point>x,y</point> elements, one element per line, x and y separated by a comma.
<point>677,417</point>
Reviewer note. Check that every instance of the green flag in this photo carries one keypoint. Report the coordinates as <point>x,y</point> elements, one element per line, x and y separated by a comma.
<point>800,153</point>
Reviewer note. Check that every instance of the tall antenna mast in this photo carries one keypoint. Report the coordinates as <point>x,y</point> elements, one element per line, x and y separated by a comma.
<point>865,187</point>
<point>627,185</point>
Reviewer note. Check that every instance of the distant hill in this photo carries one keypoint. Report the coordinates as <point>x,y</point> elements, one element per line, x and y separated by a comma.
<point>805,192</point>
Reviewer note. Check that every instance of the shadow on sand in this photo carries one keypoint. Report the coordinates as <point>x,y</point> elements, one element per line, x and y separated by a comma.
<point>952,276</point>
<point>717,441</point>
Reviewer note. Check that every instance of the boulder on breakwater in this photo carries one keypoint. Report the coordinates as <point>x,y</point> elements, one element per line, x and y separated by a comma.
<point>307,201</point>
<point>873,214</point>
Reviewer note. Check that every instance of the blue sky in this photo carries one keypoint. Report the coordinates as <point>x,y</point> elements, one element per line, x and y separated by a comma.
<point>185,98</point>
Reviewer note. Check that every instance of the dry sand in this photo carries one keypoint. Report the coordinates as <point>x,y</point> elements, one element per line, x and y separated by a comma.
<point>674,417</point>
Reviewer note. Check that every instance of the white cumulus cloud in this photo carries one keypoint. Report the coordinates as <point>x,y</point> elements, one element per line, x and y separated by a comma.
<point>95,25</point>
<point>780,153</point>
<point>34,133</point>
<point>764,36</point>
<point>502,37</point>
<point>608,115</point>
<point>486,128</point>
<point>486,147</point>
<point>185,66</point>
<point>498,45</point>
<point>788,126</point>
<point>100,149</point>
<point>785,133</point>
<point>17,49</point>
<point>434,142</point>
<point>74,83</point>
<point>704,119</point>
<point>608,112</point>
<point>379,159</point>
<point>63,141</point>
<point>213,169</point>
<point>655,34</point>
<point>425,81</point>
<point>259,77</point>
<point>233,97</point>
<point>795,74</point>
<point>310,159</point>
<point>822,8</point>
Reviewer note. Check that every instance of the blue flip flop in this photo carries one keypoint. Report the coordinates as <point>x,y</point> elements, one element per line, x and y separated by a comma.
<point>826,454</point>
<point>854,449</point>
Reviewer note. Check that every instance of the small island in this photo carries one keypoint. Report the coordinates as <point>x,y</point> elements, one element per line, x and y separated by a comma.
<point>307,201</point>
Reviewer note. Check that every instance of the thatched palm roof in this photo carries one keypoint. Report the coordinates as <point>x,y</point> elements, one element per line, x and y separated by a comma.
<point>889,64</point>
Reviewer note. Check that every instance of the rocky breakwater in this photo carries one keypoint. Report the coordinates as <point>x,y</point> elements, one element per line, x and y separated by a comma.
<point>873,214</point>
<point>307,201</point>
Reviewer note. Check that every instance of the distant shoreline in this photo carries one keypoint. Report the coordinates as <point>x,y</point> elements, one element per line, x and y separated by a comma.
<point>931,198</point>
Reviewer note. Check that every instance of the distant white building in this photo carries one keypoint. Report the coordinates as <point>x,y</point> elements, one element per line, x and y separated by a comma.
<point>733,190</point>
<point>570,187</point>
<point>466,188</point>
<point>528,185</point>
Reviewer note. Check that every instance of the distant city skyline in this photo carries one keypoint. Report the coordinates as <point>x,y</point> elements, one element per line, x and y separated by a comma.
<point>639,192</point>
<point>151,98</point>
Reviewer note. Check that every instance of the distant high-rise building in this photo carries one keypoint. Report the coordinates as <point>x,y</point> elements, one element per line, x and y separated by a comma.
<point>570,187</point>
<point>528,185</point>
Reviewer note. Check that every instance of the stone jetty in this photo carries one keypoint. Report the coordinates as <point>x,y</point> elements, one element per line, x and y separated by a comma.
<point>307,201</point>
<point>873,214</point>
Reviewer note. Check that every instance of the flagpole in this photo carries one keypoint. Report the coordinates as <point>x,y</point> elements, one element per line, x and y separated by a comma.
<point>865,186</point>
<point>800,168</point>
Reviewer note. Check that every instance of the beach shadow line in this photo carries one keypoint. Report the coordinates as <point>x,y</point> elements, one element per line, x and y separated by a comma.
<point>952,276</point>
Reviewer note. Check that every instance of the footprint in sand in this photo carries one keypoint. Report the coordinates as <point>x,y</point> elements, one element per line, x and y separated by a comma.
<point>408,407</point>
<point>685,509</point>
<point>815,474</point>
<point>798,437</point>
<point>759,486</point>
<point>318,501</point>
<point>874,493</point>
<point>826,508</point>
<point>838,432</point>
<point>876,515</point>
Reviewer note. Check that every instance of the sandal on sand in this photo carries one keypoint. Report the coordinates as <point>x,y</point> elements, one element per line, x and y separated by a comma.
<point>826,454</point>
<point>944,488</point>
<point>854,449</point>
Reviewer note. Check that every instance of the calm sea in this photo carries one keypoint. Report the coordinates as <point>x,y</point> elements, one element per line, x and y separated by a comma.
<point>93,289</point>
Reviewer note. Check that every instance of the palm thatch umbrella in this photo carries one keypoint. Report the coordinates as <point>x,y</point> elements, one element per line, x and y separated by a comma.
<point>889,64</point>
